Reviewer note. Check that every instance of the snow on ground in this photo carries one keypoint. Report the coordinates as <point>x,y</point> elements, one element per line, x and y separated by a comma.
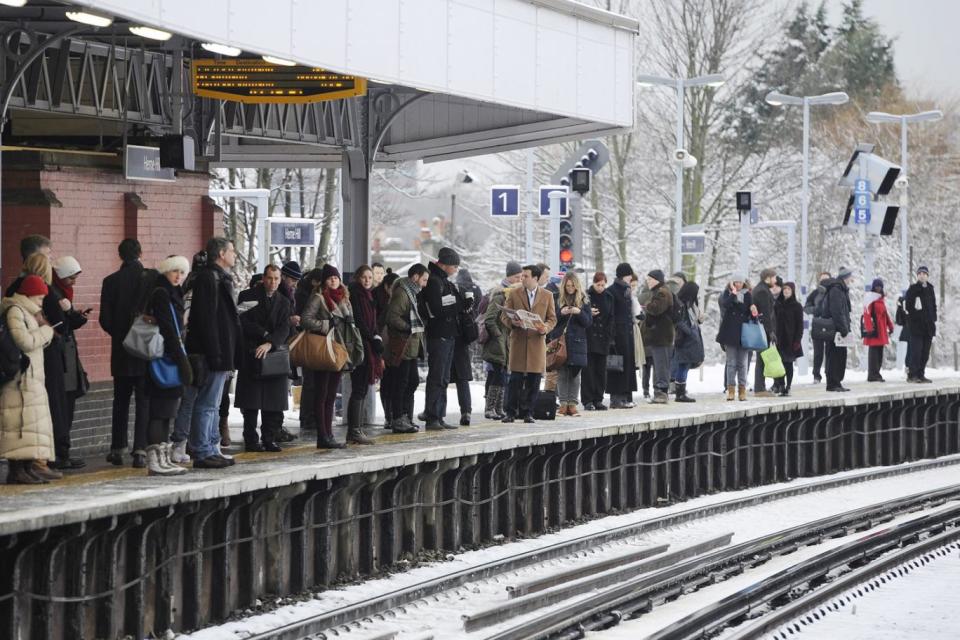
<point>706,380</point>
<point>442,615</point>
<point>921,604</point>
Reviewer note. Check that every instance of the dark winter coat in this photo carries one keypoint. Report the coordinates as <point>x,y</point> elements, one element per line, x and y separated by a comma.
<point>810,306</point>
<point>600,333</point>
<point>734,311</point>
<point>440,318</point>
<point>766,308</point>
<point>623,382</point>
<point>576,326</point>
<point>837,306</point>
<point>164,403</point>
<point>921,307</point>
<point>875,308</point>
<point>497,346</point>
<point>461,369</point>
<point>118,301</point>
<point>658,329</point>
<point>789,314</point>
<point>214,326</point>
<point>688,343</point>
<point>269,321</point>
<point>58,356</point>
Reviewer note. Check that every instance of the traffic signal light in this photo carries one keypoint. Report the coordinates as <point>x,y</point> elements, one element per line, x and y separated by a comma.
<point>566,245</point>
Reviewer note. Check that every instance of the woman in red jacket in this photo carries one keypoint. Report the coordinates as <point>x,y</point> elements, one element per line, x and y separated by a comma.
<point>876,328</point>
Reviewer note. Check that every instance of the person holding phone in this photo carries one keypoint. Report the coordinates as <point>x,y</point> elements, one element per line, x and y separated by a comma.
<point>65,377</point>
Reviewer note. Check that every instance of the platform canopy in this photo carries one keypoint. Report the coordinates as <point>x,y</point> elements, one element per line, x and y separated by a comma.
<point>487,75</point>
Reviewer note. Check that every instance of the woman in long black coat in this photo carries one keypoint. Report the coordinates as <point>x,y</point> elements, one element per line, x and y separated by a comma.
<point>266,328</point>
<point>622,384</point>
<point>789,316</point>
<point>599,338</point>
<point>64,376</point>
<point>164,302</point>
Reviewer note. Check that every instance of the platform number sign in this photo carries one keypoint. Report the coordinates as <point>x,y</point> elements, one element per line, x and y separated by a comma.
<point>504,200</point>
<point>861,201</point>
<point>545,191</point>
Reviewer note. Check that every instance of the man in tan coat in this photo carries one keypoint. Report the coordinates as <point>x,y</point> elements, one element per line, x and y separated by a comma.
<point>528,347</point>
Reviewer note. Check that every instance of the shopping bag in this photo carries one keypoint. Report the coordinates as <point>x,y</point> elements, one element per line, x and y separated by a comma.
<point>772,363</point>
<point>615,363</point>
<point>753,337</point>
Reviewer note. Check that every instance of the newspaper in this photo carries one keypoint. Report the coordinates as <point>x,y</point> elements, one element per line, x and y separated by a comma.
<point>527,319</point>
<point>850,342</point>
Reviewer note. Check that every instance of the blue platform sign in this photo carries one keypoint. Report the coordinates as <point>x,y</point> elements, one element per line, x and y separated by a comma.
<point>693,243</point>
<point>861,201</point>
<point>545,191</point>
<point>504,200</point>
<point>292,233</point>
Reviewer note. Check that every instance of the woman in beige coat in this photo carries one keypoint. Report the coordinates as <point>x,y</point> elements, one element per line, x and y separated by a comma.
<point>26,439</point>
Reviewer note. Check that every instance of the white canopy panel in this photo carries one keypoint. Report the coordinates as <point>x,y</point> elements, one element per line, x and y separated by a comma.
<point>553,56</point>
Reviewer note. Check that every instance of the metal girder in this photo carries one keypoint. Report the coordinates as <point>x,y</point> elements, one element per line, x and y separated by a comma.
<point>79,77</point>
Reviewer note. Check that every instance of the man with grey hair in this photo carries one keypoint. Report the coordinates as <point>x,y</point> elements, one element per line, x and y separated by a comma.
<point>212,334</point>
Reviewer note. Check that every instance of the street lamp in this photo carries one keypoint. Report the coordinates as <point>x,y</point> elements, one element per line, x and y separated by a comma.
<point>682,157</point>
<point>778,99</point>
<point>877,117</point>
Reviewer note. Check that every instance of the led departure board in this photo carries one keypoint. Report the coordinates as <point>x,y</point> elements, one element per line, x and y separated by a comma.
<point>257,82</point>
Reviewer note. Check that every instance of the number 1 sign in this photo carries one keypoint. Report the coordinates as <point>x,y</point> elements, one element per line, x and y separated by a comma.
<point>504,200</point>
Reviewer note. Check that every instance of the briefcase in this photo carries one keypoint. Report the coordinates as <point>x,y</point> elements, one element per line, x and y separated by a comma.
<point>545,406</point>
<point>274,364</point>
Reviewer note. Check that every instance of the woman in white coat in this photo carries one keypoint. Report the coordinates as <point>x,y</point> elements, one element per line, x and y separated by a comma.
<point>26,439</point>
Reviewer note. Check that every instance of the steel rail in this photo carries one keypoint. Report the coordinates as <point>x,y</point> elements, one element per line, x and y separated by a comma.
<point>379,604</point>
<point>715,617</point>
<point>640,594</point>
<point>783,615</point>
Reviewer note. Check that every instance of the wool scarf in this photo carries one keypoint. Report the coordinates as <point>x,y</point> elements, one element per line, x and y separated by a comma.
<point>67,290</point>
<point>366,314</point>
<point>334,297</point>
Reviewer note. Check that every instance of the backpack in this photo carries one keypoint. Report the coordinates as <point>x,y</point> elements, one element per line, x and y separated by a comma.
<point>12,359</point>
<point>868,323</point>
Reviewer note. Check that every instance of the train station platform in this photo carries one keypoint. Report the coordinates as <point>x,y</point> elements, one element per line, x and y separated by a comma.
<point>124,553</point>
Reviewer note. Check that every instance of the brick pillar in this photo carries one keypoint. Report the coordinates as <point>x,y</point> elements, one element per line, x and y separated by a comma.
<point>132,206</point>
<point>26,210</point>
<point>210,214</point>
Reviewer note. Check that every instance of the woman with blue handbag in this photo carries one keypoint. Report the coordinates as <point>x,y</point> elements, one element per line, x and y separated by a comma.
<point>736,310</point>
<point>169,374</point>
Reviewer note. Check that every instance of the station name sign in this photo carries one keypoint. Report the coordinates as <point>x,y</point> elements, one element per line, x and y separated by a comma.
<point>256,82</point>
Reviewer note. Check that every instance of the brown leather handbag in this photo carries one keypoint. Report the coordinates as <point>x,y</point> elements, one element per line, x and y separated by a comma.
<point>557,350</point>
<point>317,352</point>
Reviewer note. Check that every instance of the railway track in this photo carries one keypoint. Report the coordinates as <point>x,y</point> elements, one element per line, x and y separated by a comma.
<point>651,565</point>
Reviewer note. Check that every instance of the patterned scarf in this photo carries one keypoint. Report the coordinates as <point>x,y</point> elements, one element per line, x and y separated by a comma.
<point>416,323</point>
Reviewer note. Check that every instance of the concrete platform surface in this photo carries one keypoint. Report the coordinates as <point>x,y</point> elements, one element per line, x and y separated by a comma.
<point>103,491</point>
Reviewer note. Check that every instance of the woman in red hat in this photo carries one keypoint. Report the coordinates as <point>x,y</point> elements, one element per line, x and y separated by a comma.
<point>27,430</point>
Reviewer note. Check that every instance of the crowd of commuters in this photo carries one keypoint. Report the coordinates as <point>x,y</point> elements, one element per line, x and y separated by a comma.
<point>543,341</point>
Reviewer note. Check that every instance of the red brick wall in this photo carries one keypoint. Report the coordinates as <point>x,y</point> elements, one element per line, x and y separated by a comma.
<point>91,223</point>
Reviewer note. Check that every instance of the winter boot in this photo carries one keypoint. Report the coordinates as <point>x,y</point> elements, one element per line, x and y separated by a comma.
<point>660,397</point>
<point>41,470</point>
<point>155,465</point>
<point>224,434</point>
<point>731,393</point>
<point>572,410</point>
<point>19,473</point>
<point>499,393</point>
<point>490,404</point>
<point>681,388</point>
<point>355,435</point>
<point>742,392</point>
<point>166,450</point>
<point>178,452</point>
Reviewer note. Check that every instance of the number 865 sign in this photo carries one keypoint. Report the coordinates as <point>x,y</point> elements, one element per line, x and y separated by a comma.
<point>504,200</point>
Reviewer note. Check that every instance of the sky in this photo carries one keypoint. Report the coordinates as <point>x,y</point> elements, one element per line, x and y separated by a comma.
<point>927,46</point>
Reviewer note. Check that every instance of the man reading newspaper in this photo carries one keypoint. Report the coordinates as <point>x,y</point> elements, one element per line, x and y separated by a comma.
<point>530,309</point>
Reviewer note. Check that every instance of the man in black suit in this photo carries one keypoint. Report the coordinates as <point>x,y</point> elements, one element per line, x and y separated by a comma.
<point>118,301</point>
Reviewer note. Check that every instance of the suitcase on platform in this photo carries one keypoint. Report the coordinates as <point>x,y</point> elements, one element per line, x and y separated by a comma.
<point>545,406</point>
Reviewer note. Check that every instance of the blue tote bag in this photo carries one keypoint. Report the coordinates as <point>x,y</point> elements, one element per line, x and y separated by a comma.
<point>753,337</point>
<point>163,370</point>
